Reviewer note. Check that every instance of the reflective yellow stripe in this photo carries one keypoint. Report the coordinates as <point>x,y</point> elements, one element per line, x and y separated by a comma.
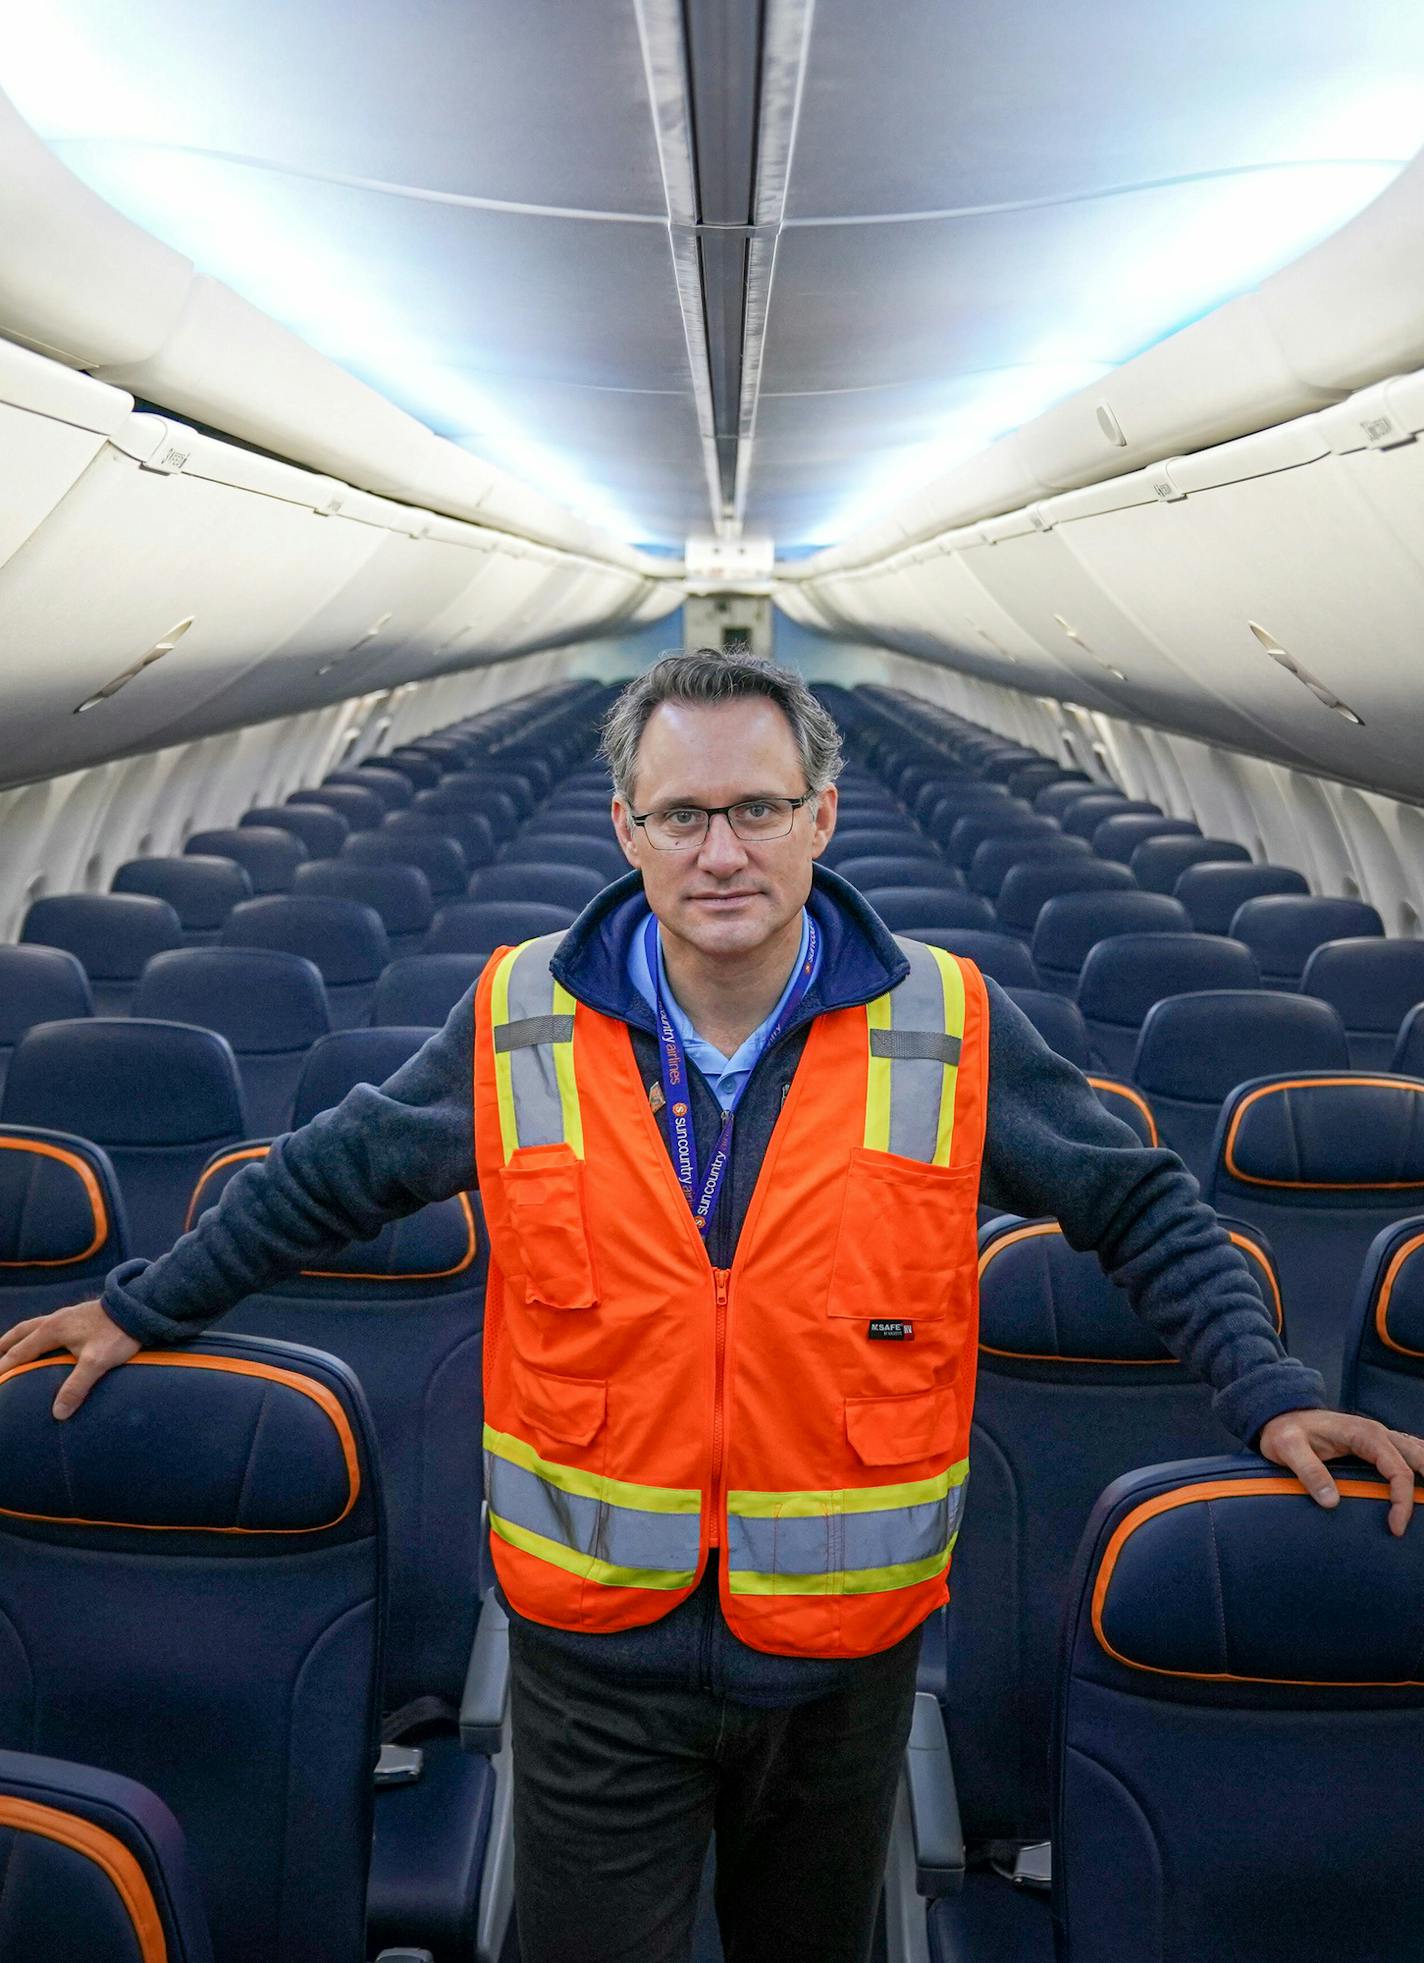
<point>953,981</point>
<point>877,1080</point>
<point>853,1581</point>
<point>852,1499</point>
<point>499,1013</point>
<point>592,1485</point>
<point>586,1566</point>
<point>564,1073</point>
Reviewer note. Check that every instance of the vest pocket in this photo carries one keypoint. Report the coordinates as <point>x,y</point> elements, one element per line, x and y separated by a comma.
<point>569,1410</point>
<point>906,1242</point>
<point>920,1424</point>
<point>543,1186</point>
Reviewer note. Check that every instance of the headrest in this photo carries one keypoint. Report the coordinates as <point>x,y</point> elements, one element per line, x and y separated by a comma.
<point>422,773</point>
<point>261,1000</point>
<point>1225,1571</point>
<point>1408,1058</point>
<point>1030,884</point>
<point>1119,834</point>
<point>1373,983</point>
<point>1054,799</point>
<point>361,809</point>
<point>40,984</point>
<point>870,869</point>
<point>1199,1047</point>
<point>1284,929</point>
<point>1342,1133</point>
<point>202,892</point>
<point>269,856</point>
<point>399,894</point>
<point>996,855</point>
<point>1211,893</point>
<point>1128,1105</point>
<point>1084,814</point>
<point>439,1243</point>
<point>472,927</point>
<point>122,1081</point>
<point>561,884</point>
<point>346,940</point>
<point>1058,1021</point>
<point>60,1213</point>
<point>390,786</point>
<point>1010,819</point>
<point>113,934</point>
<point>1074,922</point>
<point>337,1063</point>
<point>914,909</point>
<point>1043,1302</point>
<point>321,830</point>
<point>230,1437</point>
<point>1158,862</point>
<point>421,990</point>
<point>441,859</point>
<point>1001,957</point>
<point>1124,976</point>
<point>1392,1292</point>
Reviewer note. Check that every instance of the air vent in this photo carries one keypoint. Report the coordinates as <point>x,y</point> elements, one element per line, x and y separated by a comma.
<point>155,653</point>
<point>1076,638</point>
<point>1303,675</point>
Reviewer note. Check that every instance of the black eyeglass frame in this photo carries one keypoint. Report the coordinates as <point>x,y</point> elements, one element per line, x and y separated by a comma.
<point>711,811</point>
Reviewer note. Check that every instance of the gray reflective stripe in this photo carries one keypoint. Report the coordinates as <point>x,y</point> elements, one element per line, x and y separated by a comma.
<point>917,1079</point>
<point>613,1536</point>
<point>839,1543</point>
<point>533,1077</point>
<point>534,1029</point>
<point>914,1045</point>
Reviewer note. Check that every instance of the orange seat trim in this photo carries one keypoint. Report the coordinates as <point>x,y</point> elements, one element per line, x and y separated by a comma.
<point>91,1186</point>
<point>108,1854</point>
<point>1401,1255</point>
<point>1318,1185</point>
<point>1132,1096</point>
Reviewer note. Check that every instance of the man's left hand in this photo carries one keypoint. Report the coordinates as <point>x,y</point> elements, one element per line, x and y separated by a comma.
<point>1301,1441</point>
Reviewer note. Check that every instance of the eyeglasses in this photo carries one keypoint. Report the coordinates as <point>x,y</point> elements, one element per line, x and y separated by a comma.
<point>754,820</point>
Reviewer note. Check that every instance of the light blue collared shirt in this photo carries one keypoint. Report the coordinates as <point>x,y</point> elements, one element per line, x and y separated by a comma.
<point>725,1074</point>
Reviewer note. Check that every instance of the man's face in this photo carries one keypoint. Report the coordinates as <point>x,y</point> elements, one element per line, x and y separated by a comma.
<point>727,896</point>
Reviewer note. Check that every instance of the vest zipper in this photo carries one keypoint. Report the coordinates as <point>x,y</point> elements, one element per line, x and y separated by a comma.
<point>722,1281</point>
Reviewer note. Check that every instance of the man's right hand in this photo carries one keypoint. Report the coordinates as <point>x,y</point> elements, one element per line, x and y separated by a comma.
<point>96,1343</point>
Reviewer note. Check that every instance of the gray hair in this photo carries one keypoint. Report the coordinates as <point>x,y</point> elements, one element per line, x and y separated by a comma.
<point>709,675</point>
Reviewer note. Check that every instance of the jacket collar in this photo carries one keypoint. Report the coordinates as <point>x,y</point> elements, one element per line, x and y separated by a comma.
<point>859,958</point>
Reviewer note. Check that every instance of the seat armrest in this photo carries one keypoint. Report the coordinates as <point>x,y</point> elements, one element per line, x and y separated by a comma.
<point>485,1702</point>
<point>934,1803</point>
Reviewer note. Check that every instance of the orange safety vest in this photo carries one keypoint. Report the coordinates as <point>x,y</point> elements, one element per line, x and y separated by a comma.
<point>642,1406</point>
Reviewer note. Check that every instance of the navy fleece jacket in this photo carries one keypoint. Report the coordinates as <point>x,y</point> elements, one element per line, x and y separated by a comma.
<point>1050,1149</point>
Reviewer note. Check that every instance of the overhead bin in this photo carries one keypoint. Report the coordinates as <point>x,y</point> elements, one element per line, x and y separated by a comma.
<point>52,425</point>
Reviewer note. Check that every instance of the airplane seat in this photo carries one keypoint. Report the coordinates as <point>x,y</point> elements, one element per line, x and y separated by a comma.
<point>1126,1103</point>
<point>1071,924</point>
<point>497,808</point>
<point>1081,816</point>
<point>896,869</point>
<point>553,884</point>
<point>1058,1021</point>
<point>321,830</point>
<point>917,910</point>
<point>270,1006</point>
<point>201,891</point>
<point>1374,984</point>
<point>466,829</point>
<point>855,841</point>
<point>601,854</point>
<point>1384,1351</point>
<point>999,956</point>
<point>423,989</point>
<point>1193,1050</point>
<point>1122,977</point>
<point>512,784</point>
<point>191,1597</point>
<point>399,894</point>
<point>1159,862</point>
<point>1320,1162</point>
<point>1032,883</point>
<point>112,935</point>
<point>420,772</point>
<point>347,1057</point>
<point>362,810</point>
<point>440,859</point>
<point>157,1097</point>
<point>472,927</point>
<point>1233,1653</point>
<point>393,789</point>
<point>268,854</point>
<point>1407,1057</point>
<point>1073,1391</point>
<point>95,1866</point>
<point>975,828</point>
<point>1054,799</point>
<point>996,856</point>
<point>1039,775</point>
<point>1283,930</point>
<point>940,802</point>
<point>62,1221</point>
<point>343,938</point>
<point>38,984</point>
<point>1211,893</point>
<point>1121,832</point>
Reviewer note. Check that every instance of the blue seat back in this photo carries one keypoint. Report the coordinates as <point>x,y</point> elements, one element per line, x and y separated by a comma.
<point>1320,1163</point>
<point>1001,957</point>
<point>1119,835</point>
<point>393,789</point>
<point>972,828</point>
<point>110,934</point>
<point>158,1097</point>
<point>1082,815</point>
<point>1374,984</point>
<point>1030,885</point>
<point>399,894</point>
<point>1126,1103</point>
<point>552,885</point>
<point>267,854</point>
<point>997,856</point>
<point>1124,976</point>
<point>1407,1059</point>
<point>362,810</point>
<point>1058,1021</point>
<point>202,892</point>
<point>270,1006</point>
<point>894,869</point>
<point>1072,924</point>
<point>440,859</point>
<point>38,984</point>
<point>1073,1390</point>
<point>344,939</point>
<point>62,1224</point>
<point>1157,863</point>
<point>1283,930</point>
<point>422,989</point>
<point>190,1595</point>
<point>601,854</point>
<point>474,927</point>
<point>95,1866</point>
<point>1054,799</point>
<point>860,841</point>
<point>336,1063</point>
<point>1212,893</point>
<point>916,909</point>
<point>493,807</point>
<point>1235,1653</point>
<point>321,830</point>
<point>468,829</point>
<point>1384,1349</point>
<point>420,772</point>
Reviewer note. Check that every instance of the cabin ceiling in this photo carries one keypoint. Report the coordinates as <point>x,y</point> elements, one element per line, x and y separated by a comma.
<point>733,262</point>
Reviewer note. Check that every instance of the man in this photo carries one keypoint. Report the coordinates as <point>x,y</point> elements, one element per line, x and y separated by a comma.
<point>730,1137</point>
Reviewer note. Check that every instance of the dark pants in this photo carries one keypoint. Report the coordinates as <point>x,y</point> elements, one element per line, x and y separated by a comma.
<point>618,1786</point>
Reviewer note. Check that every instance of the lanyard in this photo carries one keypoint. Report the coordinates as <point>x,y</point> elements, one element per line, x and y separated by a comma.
<point>702,1193</point>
